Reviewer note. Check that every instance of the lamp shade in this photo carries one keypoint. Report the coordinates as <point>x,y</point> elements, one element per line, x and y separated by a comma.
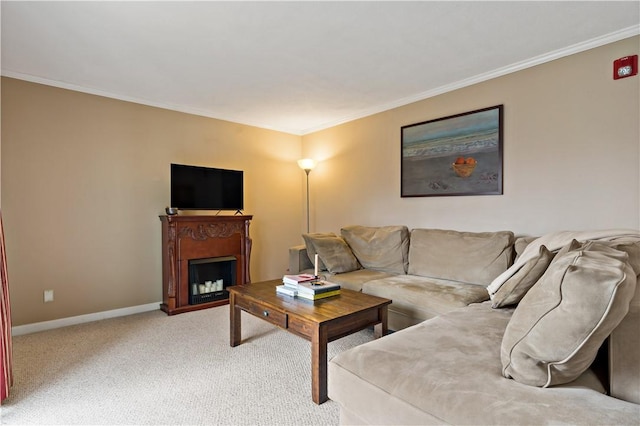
<point>307,164</point>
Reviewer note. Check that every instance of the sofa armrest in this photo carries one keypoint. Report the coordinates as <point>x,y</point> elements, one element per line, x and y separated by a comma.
<point>298,259</point>
<point>624,355</point>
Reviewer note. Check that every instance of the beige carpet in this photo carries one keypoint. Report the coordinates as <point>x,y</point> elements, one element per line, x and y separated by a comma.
<point>154,369</point>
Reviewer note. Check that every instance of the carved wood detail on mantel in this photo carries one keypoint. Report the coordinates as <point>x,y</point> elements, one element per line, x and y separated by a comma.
<point>171,248</point>
<point>211,230</point>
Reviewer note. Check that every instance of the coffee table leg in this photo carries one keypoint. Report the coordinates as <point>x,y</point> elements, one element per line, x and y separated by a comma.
<point>235,329</point>
<point>380,329</point>
<point>319,341</point>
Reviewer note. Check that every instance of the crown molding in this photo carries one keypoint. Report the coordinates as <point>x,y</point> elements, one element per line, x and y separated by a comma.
<point>518,66</point>
<point>146,102</point>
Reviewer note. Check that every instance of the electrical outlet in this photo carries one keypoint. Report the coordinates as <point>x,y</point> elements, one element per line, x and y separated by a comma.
<point>48,296</point>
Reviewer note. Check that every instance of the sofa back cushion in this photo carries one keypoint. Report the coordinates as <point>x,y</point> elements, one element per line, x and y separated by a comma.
<point>520,244</point>
<point>469,257</point>
<point>383,248</point>
<point>558,327</point>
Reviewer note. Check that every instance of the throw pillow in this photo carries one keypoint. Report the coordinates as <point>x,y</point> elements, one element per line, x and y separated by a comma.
<point>311,250</point>
<point>334,253</point>
<point>514,289</point>
<point>384,248</point>
<point>559,325</point>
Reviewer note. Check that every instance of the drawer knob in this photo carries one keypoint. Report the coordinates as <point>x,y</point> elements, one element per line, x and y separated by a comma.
<point>265,313</point>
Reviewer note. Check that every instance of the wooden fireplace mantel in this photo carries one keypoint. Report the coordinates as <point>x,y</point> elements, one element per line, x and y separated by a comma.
<point>186,238</point>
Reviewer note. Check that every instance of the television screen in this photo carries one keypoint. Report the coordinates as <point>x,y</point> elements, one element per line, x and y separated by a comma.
<point>205,188</point>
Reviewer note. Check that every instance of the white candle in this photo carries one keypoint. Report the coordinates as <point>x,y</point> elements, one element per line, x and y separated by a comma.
<point>315,266</point>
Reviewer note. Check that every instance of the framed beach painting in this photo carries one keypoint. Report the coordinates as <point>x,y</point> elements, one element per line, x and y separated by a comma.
<point>456,155</point>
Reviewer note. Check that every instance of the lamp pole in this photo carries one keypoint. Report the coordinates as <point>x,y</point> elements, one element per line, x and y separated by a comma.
<point>307,171</point>
<point>307,165</point>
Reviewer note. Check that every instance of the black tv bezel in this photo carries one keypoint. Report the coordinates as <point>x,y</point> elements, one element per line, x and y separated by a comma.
<point>207,169</point>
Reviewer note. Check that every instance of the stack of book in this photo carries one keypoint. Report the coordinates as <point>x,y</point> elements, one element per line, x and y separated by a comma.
<point>315,290</point>
<point>306,286</point>
<point>293,280</point>
<point>290,283</point>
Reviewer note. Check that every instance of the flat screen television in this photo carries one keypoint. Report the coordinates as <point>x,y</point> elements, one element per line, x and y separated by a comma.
<point>205,188</point>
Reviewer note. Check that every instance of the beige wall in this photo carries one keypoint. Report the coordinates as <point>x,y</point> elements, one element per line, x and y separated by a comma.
<point>84,179</point>
<point>571,154</point>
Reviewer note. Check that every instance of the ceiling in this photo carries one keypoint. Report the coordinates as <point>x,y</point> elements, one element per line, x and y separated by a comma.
<point>295,67</point>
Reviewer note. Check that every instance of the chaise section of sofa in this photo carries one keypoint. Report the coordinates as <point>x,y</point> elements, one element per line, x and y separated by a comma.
<point>447,370</point>
<point>566,350</point>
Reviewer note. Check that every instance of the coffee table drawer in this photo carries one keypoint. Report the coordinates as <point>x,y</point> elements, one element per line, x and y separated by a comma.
<point>271,315</point>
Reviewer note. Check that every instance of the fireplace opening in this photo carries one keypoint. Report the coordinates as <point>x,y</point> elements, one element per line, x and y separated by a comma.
<point>210,277</point>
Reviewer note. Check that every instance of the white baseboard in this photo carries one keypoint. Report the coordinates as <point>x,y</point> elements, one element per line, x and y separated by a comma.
<point>80,319</point>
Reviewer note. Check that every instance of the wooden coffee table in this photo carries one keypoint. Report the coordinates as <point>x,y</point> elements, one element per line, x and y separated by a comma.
<point>320,321</point>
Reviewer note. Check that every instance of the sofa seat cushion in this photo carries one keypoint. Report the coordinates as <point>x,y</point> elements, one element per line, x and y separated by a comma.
<point>355,279</point>
<point>424,298</point>
<point>470,257</point>
<point>447,371</point>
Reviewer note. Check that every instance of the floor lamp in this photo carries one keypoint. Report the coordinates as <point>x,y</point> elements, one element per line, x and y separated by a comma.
<point>307,164</point>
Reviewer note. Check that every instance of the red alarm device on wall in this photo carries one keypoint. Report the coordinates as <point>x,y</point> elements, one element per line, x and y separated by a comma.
<point>625,67</point>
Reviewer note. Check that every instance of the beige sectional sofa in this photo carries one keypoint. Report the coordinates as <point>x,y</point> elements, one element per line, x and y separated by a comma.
<point>552,338</point>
